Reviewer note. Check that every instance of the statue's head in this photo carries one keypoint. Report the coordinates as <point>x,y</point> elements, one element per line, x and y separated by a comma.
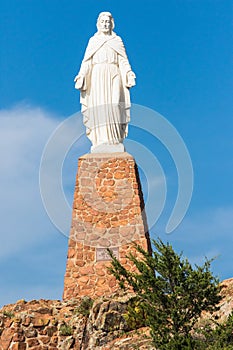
<point>105,22</point>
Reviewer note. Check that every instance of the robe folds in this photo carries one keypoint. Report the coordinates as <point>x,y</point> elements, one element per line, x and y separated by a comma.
<point>104,95</point>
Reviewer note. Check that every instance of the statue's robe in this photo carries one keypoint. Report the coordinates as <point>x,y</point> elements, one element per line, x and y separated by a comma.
<point>104,96</point>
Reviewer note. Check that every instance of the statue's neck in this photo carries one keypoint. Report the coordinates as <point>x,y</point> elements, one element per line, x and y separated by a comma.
<point>105,34</point>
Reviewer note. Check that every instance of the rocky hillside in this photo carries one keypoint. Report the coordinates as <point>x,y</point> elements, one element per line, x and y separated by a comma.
<point>79,324</point>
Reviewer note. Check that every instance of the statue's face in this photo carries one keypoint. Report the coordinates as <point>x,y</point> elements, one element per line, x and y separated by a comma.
<point>105,24</point>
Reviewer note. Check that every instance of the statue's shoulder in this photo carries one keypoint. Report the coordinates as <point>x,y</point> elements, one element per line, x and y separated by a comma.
<point>92,39</point>
<point>116,37</point>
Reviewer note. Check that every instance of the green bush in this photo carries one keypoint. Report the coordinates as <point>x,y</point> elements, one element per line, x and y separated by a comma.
<point>135,316</point>
<point>85,306</point>
<point>221,337</point>
<point>9,314</point>
<point>170,292</point>
<point>65,329</point>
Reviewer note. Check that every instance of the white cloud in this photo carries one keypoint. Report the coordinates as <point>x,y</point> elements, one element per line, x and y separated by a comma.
<point>24,131</point>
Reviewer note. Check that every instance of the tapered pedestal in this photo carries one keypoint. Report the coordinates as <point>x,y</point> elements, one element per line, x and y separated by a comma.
<point>108,212</point>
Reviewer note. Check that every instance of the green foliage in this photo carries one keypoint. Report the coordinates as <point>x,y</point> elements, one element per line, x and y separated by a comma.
<point>135,316</point>
<point>65,329</point>
<point>85,306</point>
<point>221,337</point>
<point>9,314</point>
<point>170,292</point>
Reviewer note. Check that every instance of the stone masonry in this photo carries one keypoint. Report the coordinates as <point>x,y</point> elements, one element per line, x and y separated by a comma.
<point>108,212</point>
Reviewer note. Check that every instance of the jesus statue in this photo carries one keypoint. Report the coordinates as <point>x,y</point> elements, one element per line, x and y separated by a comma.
<point>104,80</point>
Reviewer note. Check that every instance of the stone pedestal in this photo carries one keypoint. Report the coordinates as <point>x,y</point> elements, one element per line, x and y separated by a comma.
<point>108,212</point>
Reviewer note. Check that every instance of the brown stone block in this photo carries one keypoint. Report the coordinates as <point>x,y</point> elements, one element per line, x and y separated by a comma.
<point>85,182</point>
<point>82,165</point>
<point>32,342</point>
<point>87,288</point>
<point>109,199</point>
<point>112,165</point>
<point>86,270</point>
<point>90,256</point>
<point>80,263</point>
<point>112,282</point>
<point>119,175</point>
<point>19,336</point>
<point>79,246</point>
<point>75,275</point>
<point>87,218</point>
<point>101,175</point>
<point>70,264</point>
<point>123,261</point>
<point>104,242</point>
<point>100,265</point>
<point>100,272</point>
<point>115,224</point>
<point>94,212</point>
<point>91,283</point>
<point>98,293</point>
<point>26,321</point>
<point>40,321</point>
<point>44,339</point>
<point>123,222</point>
<point>54,341</point>
<point>108,273</point>
<point>80,236</point>
<point>103,189</point>
<point>127,229</point>
<point>109,182</point>
<point>109,176</point>
<point>94,237</point>
<point>114,218</point>
<point>6,338</point>
<point>72,243</point>
<point>83,280</point>
<point>101,282</point>
<point>18,346</point>
<point>101,225</point>
<point>98,181</point>
<point>71,253</point>
<point>7,322</point>
<point>69,281</point>
<point>30,332</point>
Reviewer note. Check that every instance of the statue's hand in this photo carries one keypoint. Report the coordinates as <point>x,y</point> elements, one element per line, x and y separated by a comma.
<point>79,80</point>
<point>130,79</point>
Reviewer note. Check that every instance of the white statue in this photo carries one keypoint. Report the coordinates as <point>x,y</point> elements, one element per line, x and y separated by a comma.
<point>104,80</point>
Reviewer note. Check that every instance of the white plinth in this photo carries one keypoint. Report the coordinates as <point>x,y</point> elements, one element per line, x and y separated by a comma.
<point>108,148</point>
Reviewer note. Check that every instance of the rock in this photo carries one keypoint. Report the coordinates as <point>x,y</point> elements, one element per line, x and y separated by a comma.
<point>67,343</point>
<point>40,322</point>
<point>36,324</point>
<point>30,332</point>
<point>6,338</point>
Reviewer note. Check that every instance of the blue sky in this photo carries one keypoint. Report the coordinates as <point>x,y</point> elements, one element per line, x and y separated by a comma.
<point>181,52</point>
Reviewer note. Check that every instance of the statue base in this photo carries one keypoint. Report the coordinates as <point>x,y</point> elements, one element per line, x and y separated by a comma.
<point>108,212</point>
<point>108,148</point>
